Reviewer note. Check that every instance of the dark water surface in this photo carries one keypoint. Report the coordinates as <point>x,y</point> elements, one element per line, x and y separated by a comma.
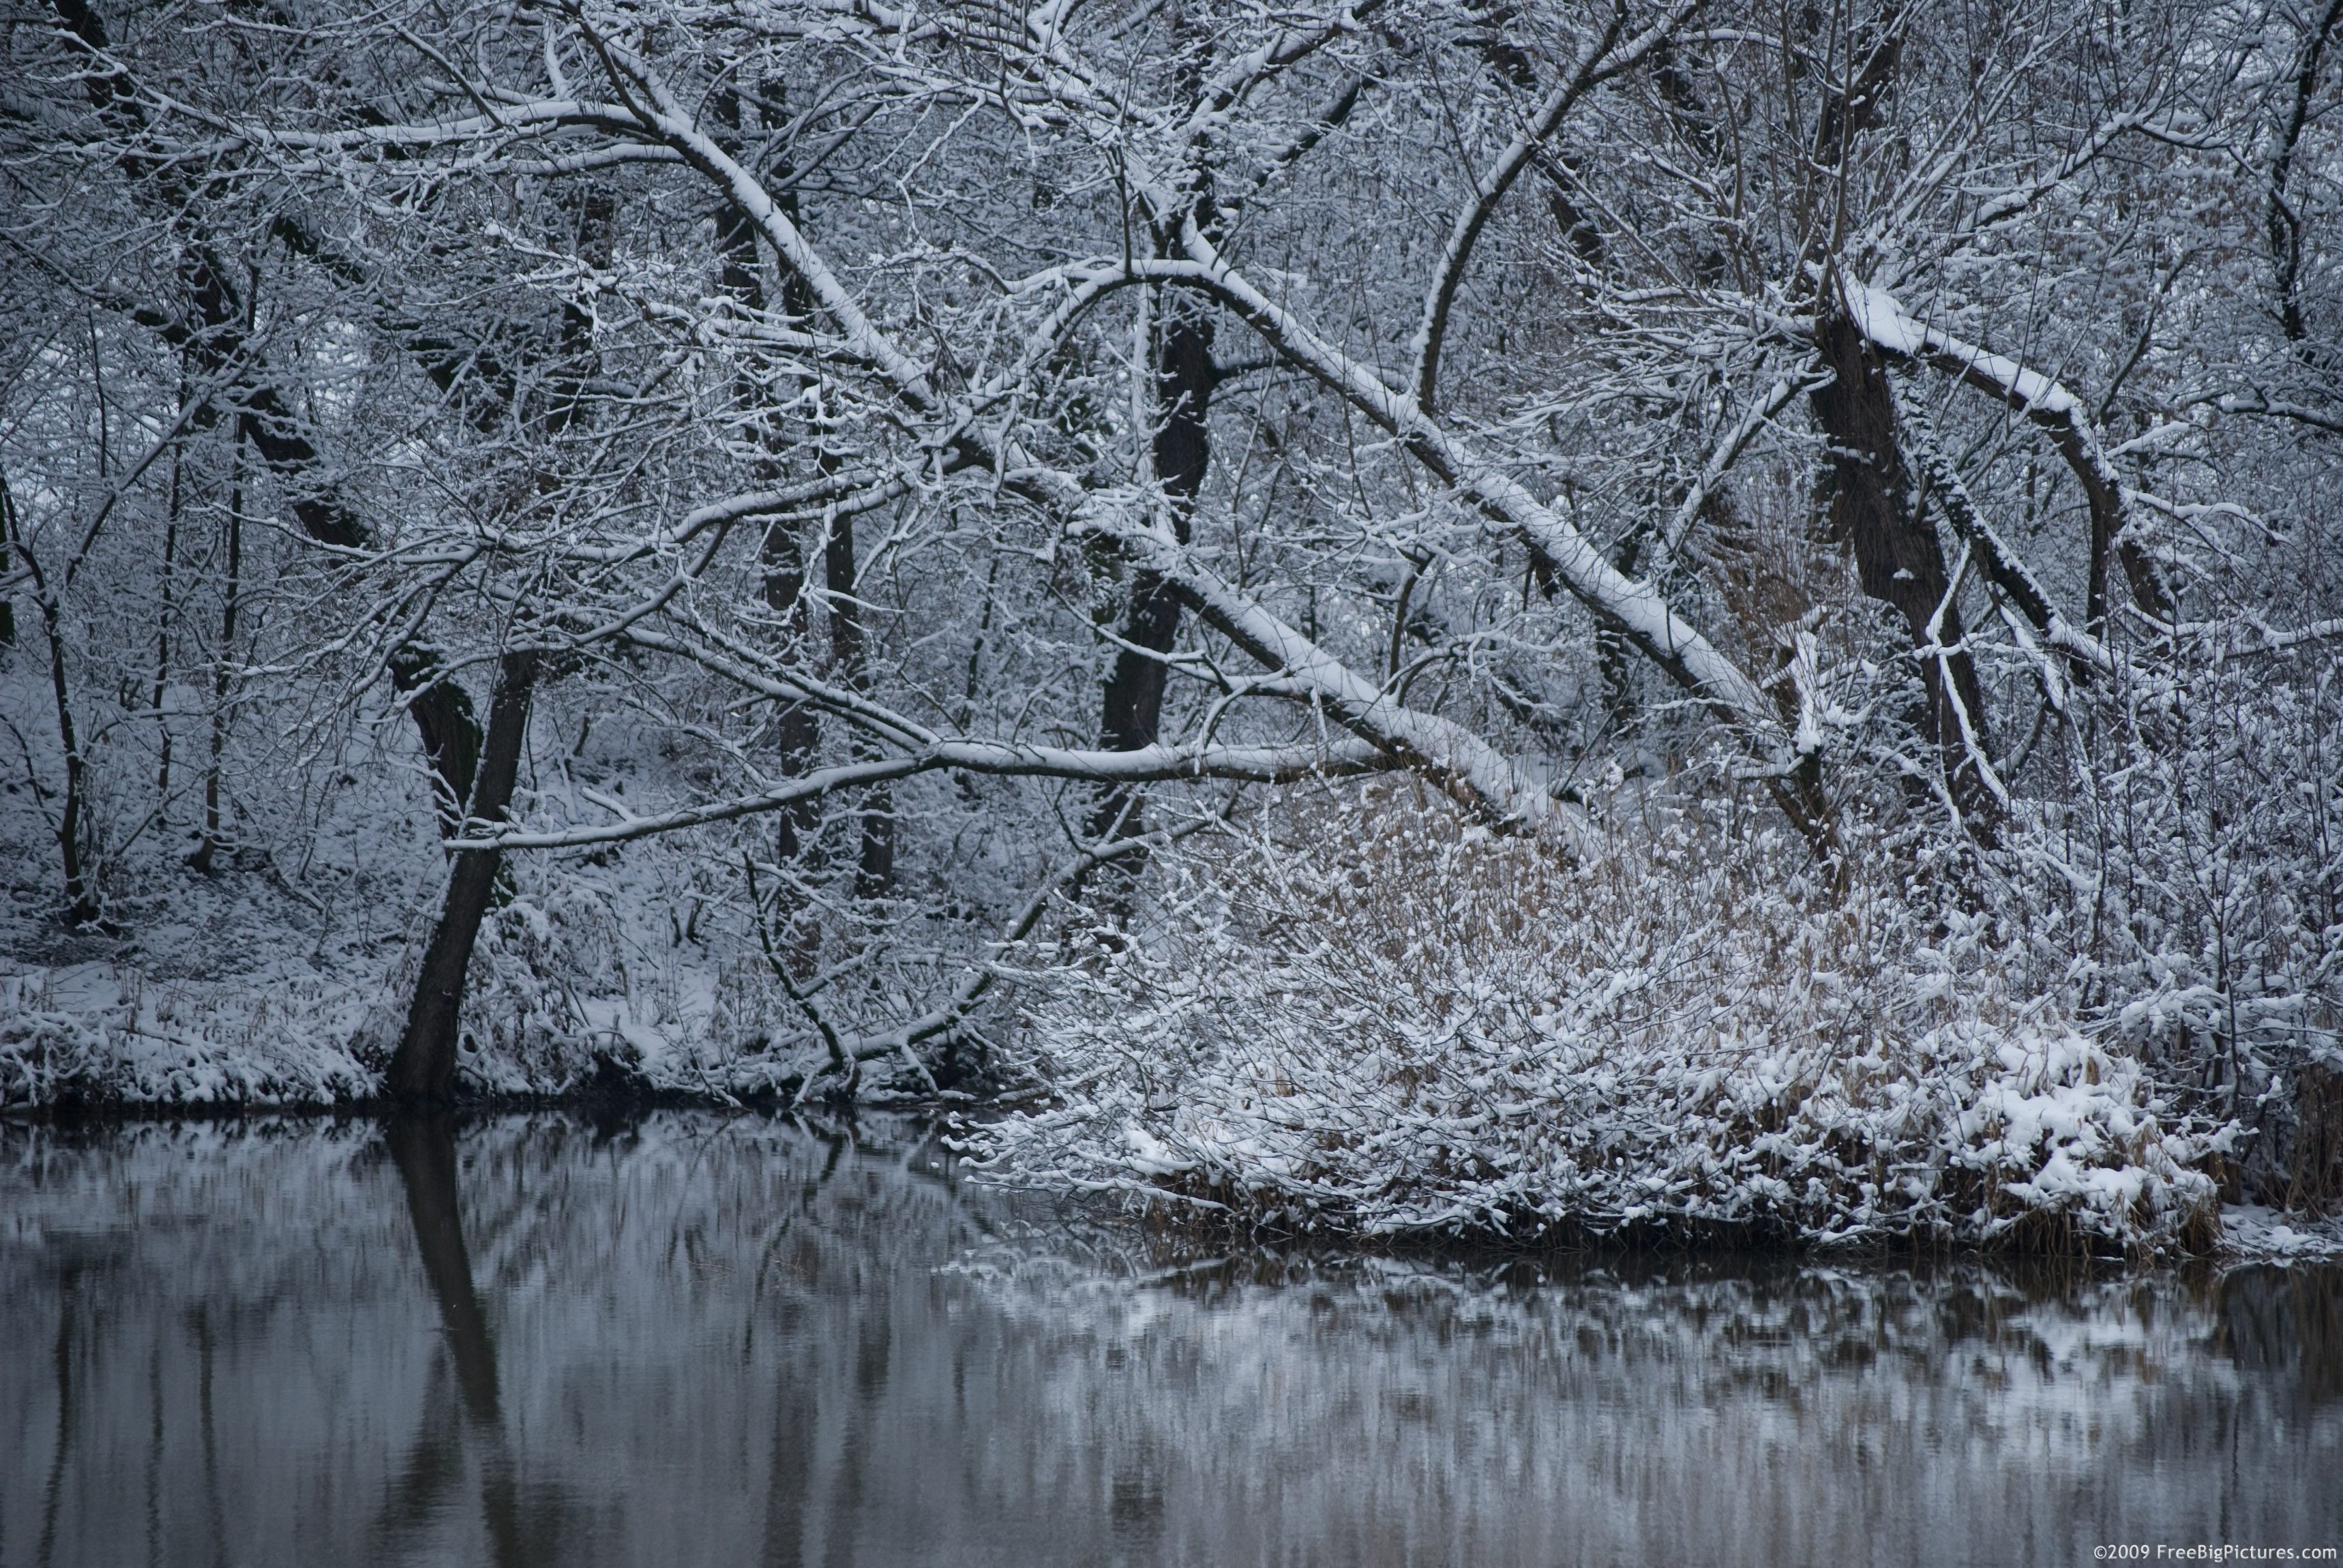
<point>692,1339</point>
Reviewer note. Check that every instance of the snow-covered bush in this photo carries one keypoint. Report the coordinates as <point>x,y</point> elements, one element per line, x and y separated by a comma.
<point>2195,870</point>
<point>1367,1018</point>
<point>96,1034</point>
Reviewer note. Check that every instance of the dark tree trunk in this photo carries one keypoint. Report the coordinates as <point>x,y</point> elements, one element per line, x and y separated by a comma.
<point>1896,556</point>
<point>162,641</point>
<point>209,844</point>
<point>1133,706</point>
<point>795,729</point>
<point>2283,227</point>
<point>81,898</point>
<point>782,556</point>
<point>1180,349</point>
<point>443,717</point>
<point>424,1067</point>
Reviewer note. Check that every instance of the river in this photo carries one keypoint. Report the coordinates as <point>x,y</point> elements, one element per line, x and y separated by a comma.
<point>687,1338</point>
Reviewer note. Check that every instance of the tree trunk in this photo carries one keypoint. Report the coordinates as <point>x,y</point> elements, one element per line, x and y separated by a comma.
<point>874,860</point>
<point>443,716</point>
<point>209,845</point>
<point>1896,555</point>
<point>1133,706</point>
<point>424,1067</point>
<point>2282,227</point>
<point>781,554</point>
<point>81,899</point>
<point>162,641</point>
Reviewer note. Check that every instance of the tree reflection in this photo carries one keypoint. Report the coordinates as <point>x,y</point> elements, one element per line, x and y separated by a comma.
<point>751,1342</point>
<point>423,1147</point>
<point>2290,1321</point>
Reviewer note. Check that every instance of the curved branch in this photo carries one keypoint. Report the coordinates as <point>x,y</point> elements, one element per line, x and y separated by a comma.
<point>1595,65</point>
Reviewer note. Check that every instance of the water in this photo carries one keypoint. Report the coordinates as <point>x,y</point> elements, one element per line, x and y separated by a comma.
<point>693,1339</point>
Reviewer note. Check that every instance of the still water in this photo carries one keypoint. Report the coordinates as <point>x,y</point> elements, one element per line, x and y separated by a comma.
<point>690,1339</point>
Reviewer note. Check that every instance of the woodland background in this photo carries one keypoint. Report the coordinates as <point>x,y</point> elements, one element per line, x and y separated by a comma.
<point>1404,616</point>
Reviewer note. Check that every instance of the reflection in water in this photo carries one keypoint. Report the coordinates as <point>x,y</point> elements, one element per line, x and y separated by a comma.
<point>700,1338</point>
<point>424,1150</point>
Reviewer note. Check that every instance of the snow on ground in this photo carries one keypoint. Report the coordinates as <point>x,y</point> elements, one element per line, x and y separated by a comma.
<point>275,978</point>
<point>2255,1232</point>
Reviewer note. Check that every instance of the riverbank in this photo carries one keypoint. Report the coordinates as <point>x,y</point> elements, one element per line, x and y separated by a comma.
<point>2237,1234</point>
<point>102,1034</point>
<point>1693,1041</point>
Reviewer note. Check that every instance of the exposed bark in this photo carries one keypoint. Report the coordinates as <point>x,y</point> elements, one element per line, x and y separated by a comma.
<point>1875,513</point>
<point>163,636</point>
<point>874,864</point>
<point>1896,555</point>
<point>231,602</point>
<point>442,711</point>
<point>424,1066</point>
<point>797,730</point>
<point>2283,227</point>
<point>785,569</point>
<point>1184,377</point>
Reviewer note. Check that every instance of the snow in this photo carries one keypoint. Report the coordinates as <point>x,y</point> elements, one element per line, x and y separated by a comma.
<point>248,988</point>
<point>1678,1035</point>
<point>2258,1233</point>
<point>1879,317</point>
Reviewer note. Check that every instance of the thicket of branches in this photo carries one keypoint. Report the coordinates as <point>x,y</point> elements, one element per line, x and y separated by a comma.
<point>942,455</point>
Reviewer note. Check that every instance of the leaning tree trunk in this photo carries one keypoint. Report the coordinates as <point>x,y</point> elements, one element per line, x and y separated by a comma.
<point>424,1067</point>
<point>1896,556</point>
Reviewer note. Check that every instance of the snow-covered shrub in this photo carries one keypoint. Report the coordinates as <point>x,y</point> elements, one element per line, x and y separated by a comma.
<point>531,1024</point>
<point>96,1034</point>
<point>1364,1017</point>
<point>2196,872</point>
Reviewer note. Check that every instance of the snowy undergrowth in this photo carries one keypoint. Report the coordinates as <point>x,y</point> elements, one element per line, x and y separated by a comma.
<point>104,1033</point>
<point>1367,1019</point>
<point>278,977</point>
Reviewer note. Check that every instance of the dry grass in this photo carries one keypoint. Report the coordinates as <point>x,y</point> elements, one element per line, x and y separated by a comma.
<point>1360,1015</point>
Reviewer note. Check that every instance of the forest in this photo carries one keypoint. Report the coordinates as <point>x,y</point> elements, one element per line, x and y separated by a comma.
<point>1507,618</point>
